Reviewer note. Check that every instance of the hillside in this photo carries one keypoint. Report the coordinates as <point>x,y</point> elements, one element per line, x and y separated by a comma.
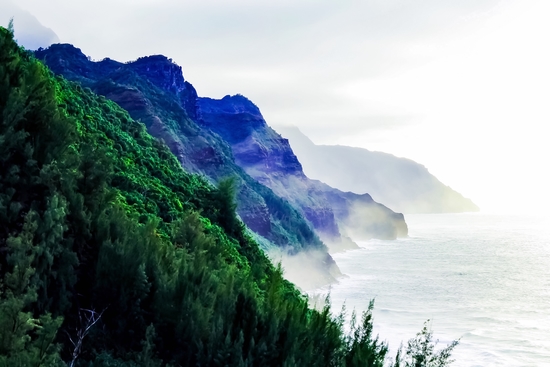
<point>400,183</point>
<point>154,90</point>
<point>113,255</point>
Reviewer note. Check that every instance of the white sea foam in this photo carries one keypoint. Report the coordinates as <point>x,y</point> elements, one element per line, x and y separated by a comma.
<point>482,278</point>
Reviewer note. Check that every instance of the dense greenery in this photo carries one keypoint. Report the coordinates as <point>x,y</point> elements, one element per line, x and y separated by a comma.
<point>112,255</point>
<point>140,87</point>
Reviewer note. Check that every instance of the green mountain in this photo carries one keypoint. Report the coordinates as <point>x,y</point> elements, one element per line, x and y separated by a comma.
<point>287,210</point>
<point>399,183</point>
<point>113,255</point>
<point>153,91</point>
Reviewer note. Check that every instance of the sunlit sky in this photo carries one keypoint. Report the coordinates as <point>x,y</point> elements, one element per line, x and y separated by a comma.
<point>461,87</point>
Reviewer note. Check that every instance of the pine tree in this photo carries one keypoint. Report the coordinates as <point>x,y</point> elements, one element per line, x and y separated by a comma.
<point>24,340</point>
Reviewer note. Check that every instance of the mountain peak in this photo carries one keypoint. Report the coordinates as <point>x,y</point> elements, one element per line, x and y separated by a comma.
<point>66,49</point>
<point>158,59</point>
<point>235,104</point>
<point>165,74</point>
<point>161,71</point>
<point>68,58</point>
<point>233,117</point>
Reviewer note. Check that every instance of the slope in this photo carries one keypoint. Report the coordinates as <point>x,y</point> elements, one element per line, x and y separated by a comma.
<point>153,90</point>
<point>113,255</point>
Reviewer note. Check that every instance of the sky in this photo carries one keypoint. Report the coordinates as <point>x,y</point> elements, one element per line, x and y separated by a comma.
<point>461,87</point>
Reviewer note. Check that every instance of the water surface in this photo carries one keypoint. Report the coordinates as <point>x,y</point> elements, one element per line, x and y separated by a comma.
<point>482,278</point>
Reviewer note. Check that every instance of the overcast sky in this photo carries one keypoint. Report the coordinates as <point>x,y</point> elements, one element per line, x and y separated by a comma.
<point>460,86</point>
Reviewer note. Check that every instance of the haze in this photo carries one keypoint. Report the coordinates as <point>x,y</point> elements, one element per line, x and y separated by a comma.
<point>460,87</point>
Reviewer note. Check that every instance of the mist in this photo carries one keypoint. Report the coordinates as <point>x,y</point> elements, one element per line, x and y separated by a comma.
<point>306,269</point>
<point>456,86</point>
<point>28,31</point>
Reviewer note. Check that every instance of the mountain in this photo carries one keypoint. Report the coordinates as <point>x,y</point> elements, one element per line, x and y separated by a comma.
<point>153,90</point>
<point>267,156</point>
<point>205,135</point>
<point>400,183</point>
<point>114,255</point>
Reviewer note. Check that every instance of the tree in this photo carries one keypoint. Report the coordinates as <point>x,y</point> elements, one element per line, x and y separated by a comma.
<point>24,339</point>
<point>421,352</point>
<point>363,348</point>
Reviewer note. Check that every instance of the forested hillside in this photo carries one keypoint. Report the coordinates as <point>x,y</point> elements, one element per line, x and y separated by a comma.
<point>112,255</point>
<point>153,91</point>
<point>230,137</point>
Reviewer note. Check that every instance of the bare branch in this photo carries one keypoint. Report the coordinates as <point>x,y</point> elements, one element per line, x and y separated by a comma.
<point>87,318</point>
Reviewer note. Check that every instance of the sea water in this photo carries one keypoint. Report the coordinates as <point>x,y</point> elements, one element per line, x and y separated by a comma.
<point>482,278</point>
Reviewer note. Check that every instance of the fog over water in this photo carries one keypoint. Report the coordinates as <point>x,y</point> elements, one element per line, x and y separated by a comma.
<point>482,278</point>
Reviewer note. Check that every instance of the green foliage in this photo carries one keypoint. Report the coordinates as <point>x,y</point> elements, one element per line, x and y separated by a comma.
<point>421,352</point>
<point>24,340</point>
<point>115,256</point>
<point>363,348</point>
<point>225,197</point>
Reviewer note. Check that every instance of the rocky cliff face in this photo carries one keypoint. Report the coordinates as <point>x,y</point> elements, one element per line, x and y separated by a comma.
<point>268,157</point>
<point>239,122</point>
<point>166,75</point>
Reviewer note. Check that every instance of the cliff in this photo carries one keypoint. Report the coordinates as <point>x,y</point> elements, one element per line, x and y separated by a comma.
<point>154,91</point>
<point>230,138</point>
<point>267,156</point>
<point>399,183</point>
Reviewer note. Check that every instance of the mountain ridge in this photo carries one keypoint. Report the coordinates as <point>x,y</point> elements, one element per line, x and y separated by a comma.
<point>400,183</point>
<point>268,157</point>
<point>198,151</point>
<point>152,89</point>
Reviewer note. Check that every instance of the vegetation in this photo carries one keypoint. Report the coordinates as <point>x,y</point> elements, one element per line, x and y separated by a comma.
<point>421,352</point>
<point>112,255</point>
<point>152,101</point>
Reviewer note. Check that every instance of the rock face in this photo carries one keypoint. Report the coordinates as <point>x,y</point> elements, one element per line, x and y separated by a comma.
<point>239,122</point>
<point>166,75</point>
<point>267,156</point>
<point>399,183</point>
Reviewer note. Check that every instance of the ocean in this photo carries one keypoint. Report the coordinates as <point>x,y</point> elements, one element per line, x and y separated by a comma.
<point>483,278</point>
